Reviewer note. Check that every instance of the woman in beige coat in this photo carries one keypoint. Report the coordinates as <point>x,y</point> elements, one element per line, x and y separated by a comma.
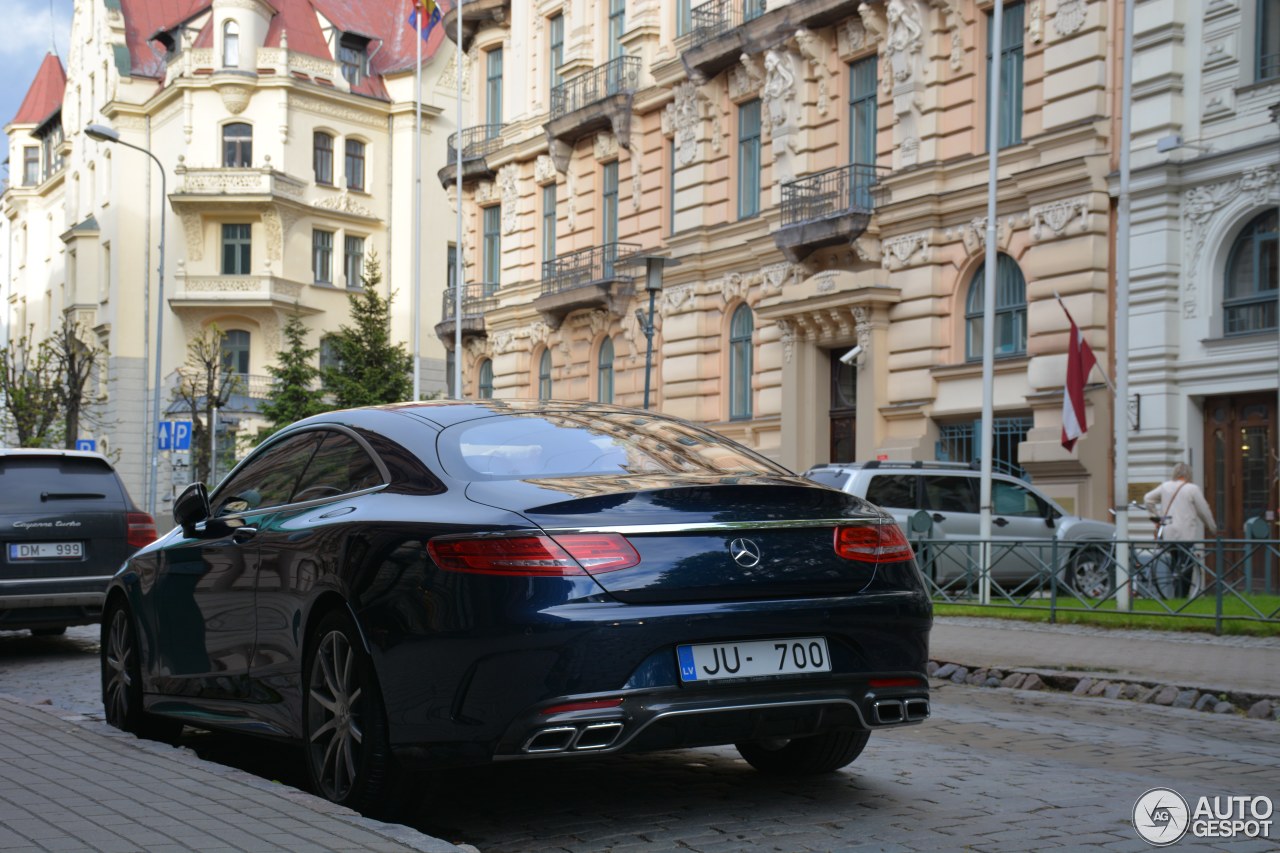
<point>1184,517</point>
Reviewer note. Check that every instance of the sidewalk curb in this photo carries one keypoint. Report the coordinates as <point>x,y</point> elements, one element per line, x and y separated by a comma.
<point>397,833</point>
<point>1109,685</point>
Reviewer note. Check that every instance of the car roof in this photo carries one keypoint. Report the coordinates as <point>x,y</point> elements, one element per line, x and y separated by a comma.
<point>444,413</point>
<point>52,452</point>
<point>878,464</point>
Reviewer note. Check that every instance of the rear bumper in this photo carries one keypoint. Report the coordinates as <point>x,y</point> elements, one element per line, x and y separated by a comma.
<point>51,602</point>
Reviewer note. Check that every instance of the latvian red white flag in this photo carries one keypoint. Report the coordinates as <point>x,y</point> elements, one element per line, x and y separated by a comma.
<point>1080,362</point>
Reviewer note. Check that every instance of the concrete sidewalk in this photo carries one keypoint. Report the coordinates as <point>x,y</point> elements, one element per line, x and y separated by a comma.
<point>1234,663</point>
<point>75,784</point>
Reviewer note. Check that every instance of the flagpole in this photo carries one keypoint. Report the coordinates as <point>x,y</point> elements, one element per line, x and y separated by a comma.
<point>417,210</point>
<point>457,255</point>
<point>990,263</point>
<point>1096,364</point>
<point>1120,409</point>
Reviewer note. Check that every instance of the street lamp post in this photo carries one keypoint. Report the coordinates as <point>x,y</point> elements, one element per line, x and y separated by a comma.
<point>102,133</point>
<point>653,266</point>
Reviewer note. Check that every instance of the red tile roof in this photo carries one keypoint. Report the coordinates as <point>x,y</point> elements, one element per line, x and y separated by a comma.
<point>45,94</point>
<point>385,22</point>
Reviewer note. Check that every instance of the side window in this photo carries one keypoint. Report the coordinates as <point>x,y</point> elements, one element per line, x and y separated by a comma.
<point>834,479</point>
<point>951,494</point>
<point>1012,499</point>
<point>268,478</point>
<point>340,466</point>
<point>897,491</point>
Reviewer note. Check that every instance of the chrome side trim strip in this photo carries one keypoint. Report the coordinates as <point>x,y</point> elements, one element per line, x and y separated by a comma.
<point>61,599</point>
<point>29,581</point>
<point>717,526</point>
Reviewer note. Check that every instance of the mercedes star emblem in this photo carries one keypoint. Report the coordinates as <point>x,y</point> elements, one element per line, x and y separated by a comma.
<point>745,553</point>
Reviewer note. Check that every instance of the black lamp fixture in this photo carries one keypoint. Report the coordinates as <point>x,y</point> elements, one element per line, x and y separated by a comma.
<point>653,267</point>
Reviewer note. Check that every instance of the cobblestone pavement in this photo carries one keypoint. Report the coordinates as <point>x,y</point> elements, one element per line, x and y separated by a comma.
<point>993,770</point>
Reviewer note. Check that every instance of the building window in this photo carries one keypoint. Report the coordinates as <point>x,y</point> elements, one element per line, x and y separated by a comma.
<point>1011,311</point>
<point>322,256</point>
<point>450,372</point>
<point>740,329</point>
<point>230,44</point>
<point>353,261</point>
<point>752,9</point>
<point>549,222</point>
<point>236,244</point>
<point>1253,268</point>
<point>235,352</point>
<point>609,204</point>
<point>322,157</point>
<point>1268,39</point>
<point>329,359</point>
<point>749,159</point>
<point>351,56</point>
<point>617,26</point>
<point>30,166</point>
<point>862,111</point>
<point>451,274</point>
<point>485,385</point>
<point>684,17</point>
<point>555,55</point>
<point>237,145</point>
<point>355,164</point>
<point>671,192</point>
<point>492,241</point>
<point>961,442</point>
<point>544,375</point>
<point>493,87</point>
<point>604,372</point>
<point>1010,75</point>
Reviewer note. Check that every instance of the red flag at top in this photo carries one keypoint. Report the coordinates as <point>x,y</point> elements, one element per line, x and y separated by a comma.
<point>1080,362</point>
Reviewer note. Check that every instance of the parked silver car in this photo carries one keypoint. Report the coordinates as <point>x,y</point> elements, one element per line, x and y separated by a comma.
<point>943,499</point>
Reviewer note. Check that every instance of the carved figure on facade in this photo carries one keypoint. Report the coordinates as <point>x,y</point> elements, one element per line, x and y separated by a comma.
<point>503,342</point>
<point>905,250</point>
<point>1069,17</point>
<point>779,86</point>
<point>675,299</point>
<point>637,188</point>
<point>544,169</point>
<point>787,328</point>
<point>867,250</point>
<point>904,39</point>
<point>683,115</point>
<point>863,326</point>
<point>1052,219</point>
<point>606,146</point>
<point>1035,22</point>
<point>953,20</point>
<point>746,78</point>
<point>814,49</point>
<point>510,197</point>
<point>851,36</point>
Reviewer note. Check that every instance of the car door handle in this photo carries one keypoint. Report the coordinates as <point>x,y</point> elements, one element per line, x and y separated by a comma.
<point>937,516</point>
<point>243,534</point>
<point>999,522</point>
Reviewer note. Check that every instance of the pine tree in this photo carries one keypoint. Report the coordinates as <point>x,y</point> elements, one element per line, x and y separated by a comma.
<point>370,370</point>
<point>294,391</point>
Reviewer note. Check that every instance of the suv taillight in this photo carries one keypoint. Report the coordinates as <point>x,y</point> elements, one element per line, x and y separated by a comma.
<point>873,543</point>
<point>141,529</point>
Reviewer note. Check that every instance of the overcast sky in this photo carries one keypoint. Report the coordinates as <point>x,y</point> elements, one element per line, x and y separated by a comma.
<point>28,36</point>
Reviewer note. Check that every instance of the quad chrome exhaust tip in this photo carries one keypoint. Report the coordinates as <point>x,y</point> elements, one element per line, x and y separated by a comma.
<point>888,712</point>
<point>586,737</point>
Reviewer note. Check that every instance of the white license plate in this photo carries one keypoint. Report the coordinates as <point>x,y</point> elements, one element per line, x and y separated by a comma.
<point>46,550</point>
<point>753,659</point>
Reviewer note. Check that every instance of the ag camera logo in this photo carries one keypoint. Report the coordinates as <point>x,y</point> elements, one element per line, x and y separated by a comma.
<point>1161,816</point>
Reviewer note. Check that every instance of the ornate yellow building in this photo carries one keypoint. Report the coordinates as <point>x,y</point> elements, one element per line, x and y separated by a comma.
<point>818,168</point>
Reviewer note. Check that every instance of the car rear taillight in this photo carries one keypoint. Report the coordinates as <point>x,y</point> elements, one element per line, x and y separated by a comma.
<point>141,529</point>
<point>599,552</point>
<point>873,543</point>
<point>535,556</point>
<point>588,705</point>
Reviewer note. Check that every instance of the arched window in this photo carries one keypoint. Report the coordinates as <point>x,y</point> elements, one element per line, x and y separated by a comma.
<point>230,44</point>
<point>544,375</point>
<point>740,329</point>
<point>235,352</point>
<point>1249,294</point>
<point>237,144</point>
<point>604,372</point>
<point>486,379</point>
<point>1011,311</point>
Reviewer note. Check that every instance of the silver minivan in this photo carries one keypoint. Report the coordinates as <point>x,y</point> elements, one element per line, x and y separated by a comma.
<point>938,501</point>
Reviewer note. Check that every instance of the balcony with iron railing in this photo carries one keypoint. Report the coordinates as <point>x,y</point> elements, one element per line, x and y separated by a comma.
<point>477,301</point>
<point>599,99</point>
<point>472,147</point>
<point>723,30</point>
<point>475,14</point>
<point>828,208</point>
<point>588,278</point>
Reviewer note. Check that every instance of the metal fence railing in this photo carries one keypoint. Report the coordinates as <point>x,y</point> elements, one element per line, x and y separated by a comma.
<point>854,188</point>
<point>477,299</point>
<point>618,76</point>
<point>714,19</point>
<point>473,142</point>
<point>1207,580</point>
<point>586,266</point>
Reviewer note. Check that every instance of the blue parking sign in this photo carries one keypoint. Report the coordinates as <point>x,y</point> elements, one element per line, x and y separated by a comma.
<point>182,435</point>
<point>164,435</point>
<point>86,444</point>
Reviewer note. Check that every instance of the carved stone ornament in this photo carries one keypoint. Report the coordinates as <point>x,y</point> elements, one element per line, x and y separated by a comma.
<point>734,286</point>
<point>449,76</point>
<point>787,338</point>
<point>814,49</point>
<point>1035,22</point>
<point>510,197</point>
<point>825,282</point>
<point>863,326</point>
<point>193,231</point>
<point>678,299</point>
<point>873,20</point>
<point>1199,204</point>
<point>1052,219</point>
<point>235,98</point>
<point>776,276</point>
<point>503,342</point>
<point>851,36</point>
<point>484,191</point>
<point>606,146</point>
<point>954,20</point>
<point>867,250</point>
<point>637,186</point>
<point>684,114</point>
<point>746,78</point>
<point>974,233</point>
<point>544,169</point>
<point>904,251</point>
<point>474,348</point>
<point>779,86</point>
<point>1069,17</point>
<point>905,38</point>
<point>571,198</point>
<point>343,203</point>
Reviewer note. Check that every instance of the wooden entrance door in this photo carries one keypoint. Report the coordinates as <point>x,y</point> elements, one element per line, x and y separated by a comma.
<point>1241,458</point>
<point>844,409</point>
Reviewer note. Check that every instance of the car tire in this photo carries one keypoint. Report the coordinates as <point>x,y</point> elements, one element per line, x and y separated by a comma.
<point>346,742</point>
<point>49,632</point>
<point>808,756</point>
<point>1089,573</point>
<point>122,680</point>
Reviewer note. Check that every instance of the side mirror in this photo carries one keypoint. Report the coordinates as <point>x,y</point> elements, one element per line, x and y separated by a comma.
<point>191,507</point>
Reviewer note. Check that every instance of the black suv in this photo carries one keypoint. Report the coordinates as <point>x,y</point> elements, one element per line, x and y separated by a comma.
<point>67,523</point>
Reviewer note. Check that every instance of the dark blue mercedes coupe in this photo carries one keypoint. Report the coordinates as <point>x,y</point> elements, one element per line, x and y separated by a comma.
<point>429,585</point>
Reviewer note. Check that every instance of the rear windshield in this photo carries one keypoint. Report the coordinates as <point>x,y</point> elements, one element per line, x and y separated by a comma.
<point>42,483</point>
<point>573,444</point>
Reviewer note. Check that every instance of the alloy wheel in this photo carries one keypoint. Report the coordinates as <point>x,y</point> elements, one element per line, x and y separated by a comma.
<point>335,712</point>
<point>119,659</point>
